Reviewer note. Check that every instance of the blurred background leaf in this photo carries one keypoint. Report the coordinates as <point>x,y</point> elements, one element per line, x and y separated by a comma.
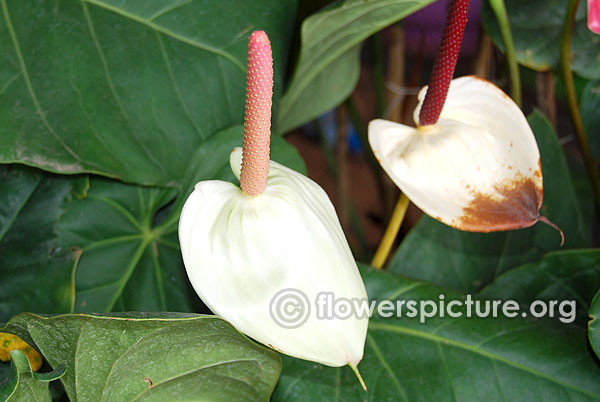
<point>329,62</point>
<point>536,27</point>
<point>590,114</point>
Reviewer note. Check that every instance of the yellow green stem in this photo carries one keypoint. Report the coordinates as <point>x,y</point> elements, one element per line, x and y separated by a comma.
<point>360,379</point>
<point>509,45</point>
<point>567,76</point>
<point>387,242</point>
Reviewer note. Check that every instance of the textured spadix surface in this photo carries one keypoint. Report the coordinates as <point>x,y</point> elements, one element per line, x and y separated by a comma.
<point>250,258</point>
<point>476,169</point>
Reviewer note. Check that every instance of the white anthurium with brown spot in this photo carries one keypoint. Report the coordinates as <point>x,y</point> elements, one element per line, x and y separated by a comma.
<point>476,169</point>
<point>260,255</point>
<point>472,161</point>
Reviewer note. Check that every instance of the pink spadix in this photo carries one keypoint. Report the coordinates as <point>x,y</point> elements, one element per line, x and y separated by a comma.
<point>594,16</point>
<point>257,119</point>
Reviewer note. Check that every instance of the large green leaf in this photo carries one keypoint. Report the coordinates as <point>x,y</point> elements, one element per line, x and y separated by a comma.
<point>128,234</point>
<point>37,273</point>
<point>536,26</point>
<point>560,275</point>
<point>328,65</point>
<point>451,359</point>
<point>127,262</point>
<point>151,357</point>
<point>466,261</point>
<point>126,88</point>
<point>589,105</point>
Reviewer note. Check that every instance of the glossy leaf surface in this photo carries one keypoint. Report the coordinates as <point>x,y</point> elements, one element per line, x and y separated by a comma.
<point>126,89</point>
<point>153,357</point>
<point>448,359</point>
<point>536,27</point>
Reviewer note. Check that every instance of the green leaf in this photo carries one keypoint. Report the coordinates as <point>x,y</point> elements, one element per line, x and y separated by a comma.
<point>594,324</point>
<point>24,384</point>
<point>585,194</point>
<point>560,275</point>
<point>451,359</point>
<point>536,27</point>
<point>466,261</point>
<point>127,89</point>
<point>328,65</point>
<point>131,258</point>
<point>36,272</point>
<point>5,377</point>
<point>128,263</point>
<point>154,357</point>
<point>589,106</point>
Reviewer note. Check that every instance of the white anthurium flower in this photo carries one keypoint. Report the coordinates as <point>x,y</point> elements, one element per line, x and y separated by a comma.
<point>476,169</point>
<point>245,254</point>
<point>270,256</point>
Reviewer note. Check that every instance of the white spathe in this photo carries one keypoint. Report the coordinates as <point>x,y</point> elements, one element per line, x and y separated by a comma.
<point>241,251</point>
<point>477,169</point>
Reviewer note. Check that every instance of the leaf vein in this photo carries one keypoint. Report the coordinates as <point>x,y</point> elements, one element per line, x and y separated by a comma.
<point>222,363</point>
<point>167,32</point>
<point>387,367</point>
<point>113,90</point>
<point>34,98</point>
<point>184,105</point>
<point>485,353</point>
<point>168,10</point>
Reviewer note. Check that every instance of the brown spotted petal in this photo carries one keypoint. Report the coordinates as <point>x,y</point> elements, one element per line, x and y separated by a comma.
<point>476,169</point>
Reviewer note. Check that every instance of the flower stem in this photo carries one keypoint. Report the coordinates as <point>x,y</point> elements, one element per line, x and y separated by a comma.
<point>385,246</point>
<point>445,63</point>
<point>567,76</point>
<point>513,67</point>
<point>357,373</point>
<point>257,118</point>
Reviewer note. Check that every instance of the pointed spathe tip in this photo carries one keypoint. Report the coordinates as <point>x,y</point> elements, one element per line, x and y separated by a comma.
<point>360,379</point>
<point>552,225</point>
